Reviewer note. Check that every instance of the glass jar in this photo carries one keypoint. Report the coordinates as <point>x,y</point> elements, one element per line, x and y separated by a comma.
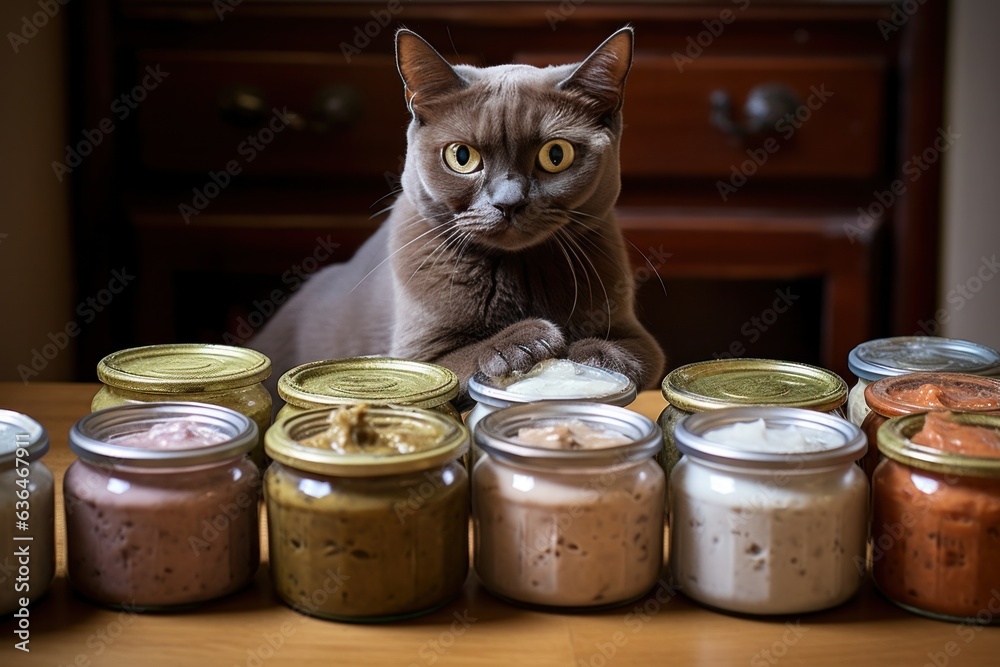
<point>889,357</point>
<point>730,383</point>
<point>492,394</point>
<point>217,374</point>
<point>920,392</point>
<point>372,380</point>
<point>167,524</point>
<point>759,528</point>
<point>357,536</point>
<point>27,494</point>
<point>936,523</point>
<point>578,528</point>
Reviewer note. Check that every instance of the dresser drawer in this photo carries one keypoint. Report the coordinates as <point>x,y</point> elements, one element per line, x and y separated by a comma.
<point>830,115</point>
<point>346,119</point>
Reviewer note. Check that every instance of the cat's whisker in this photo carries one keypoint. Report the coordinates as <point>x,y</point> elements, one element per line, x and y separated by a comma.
<point>387,195</point>
<point>448,232</point>
<point>463,245</point>
<point>586,274</point>
<point>572,270</point>
<point>607,300</point>
<point>391,255</point>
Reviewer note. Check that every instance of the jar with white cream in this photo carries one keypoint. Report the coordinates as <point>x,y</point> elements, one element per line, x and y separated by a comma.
<point>550,380</point>
<point>768,512</point>
<point>27,514</point>
<point>567,505</point>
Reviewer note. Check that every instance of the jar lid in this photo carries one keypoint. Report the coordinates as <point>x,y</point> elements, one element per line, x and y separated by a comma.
<point>724,383</point>
<point>851,442</point>
<point>888,357</point>
<point>283,442</point>
<point>183,368</point>
<point>493,391</point>
<point>376,380</point>
<point>19,431</point>
<point>497,432</point>
<point>918,392</point>
<point>894,442</point>
<point>92,437</point>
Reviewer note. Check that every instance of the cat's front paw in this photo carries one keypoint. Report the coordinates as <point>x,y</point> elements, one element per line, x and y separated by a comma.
<point>520,346</point>
<point>606,354</point>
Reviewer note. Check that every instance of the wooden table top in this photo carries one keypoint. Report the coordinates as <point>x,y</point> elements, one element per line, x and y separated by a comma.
<point>253,629</point>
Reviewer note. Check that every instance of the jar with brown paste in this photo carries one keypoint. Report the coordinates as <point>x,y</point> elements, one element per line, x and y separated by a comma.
<point>936,514</point>
<point>919,392</point>
<point>369,505</point>
<point>568,505</point>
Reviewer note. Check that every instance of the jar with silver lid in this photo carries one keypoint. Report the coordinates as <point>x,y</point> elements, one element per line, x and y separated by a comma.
<point>551,380</point>
<point>27,514</point>
<point>889,357</point>
<point>161,506</point>
<point>768,512</point>
<point>568,504</point>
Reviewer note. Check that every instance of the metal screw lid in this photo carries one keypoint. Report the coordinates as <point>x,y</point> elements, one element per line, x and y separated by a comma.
<point>183,368</point>
<point>724,383</point>
<point>374,380</point>
<point>888,357</point>
<point>13,424</point>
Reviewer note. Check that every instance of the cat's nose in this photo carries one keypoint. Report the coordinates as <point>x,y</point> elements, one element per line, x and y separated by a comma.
<point>510,210</point>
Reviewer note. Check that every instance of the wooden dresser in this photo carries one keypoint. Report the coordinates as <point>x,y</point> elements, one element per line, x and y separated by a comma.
<point>780,160</point>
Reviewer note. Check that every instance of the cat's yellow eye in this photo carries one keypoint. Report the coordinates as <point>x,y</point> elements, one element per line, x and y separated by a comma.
<point>555,156</point>
<point>462,158</point>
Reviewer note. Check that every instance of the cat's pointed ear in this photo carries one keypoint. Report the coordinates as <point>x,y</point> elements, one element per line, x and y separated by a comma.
<point>601,77</point>
<point>424,72</point>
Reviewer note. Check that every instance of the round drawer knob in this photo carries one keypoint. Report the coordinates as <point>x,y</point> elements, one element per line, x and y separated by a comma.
<point>765,105</point>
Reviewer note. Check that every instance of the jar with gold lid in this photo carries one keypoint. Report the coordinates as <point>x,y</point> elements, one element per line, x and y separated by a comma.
<point>889,357</point>
<point>27,513</point>
<point>919,392</point>
<point>732,383</point>
<point>368,511</point>
<point>221,375</point>
<point>371,380</point>
<point>936,515</point>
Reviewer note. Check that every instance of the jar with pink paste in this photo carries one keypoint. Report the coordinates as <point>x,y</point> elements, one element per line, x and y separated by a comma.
<point>162,505</point>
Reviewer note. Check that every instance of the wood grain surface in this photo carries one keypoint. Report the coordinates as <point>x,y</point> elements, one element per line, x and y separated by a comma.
<point>253,629</point>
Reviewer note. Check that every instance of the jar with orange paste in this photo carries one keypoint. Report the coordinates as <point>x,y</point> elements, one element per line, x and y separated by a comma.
<point>920,392</point>
<point>936,515</point>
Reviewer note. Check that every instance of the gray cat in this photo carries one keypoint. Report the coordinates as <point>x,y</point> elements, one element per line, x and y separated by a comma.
<point>502,249</point>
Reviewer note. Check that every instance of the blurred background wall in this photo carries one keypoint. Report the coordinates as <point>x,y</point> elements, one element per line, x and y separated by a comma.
<point>971,217</point>
<point>35,257</point>
<point>35,241</point>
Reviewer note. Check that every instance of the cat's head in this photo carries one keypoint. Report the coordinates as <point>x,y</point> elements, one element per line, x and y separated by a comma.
<point>511,153</point>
